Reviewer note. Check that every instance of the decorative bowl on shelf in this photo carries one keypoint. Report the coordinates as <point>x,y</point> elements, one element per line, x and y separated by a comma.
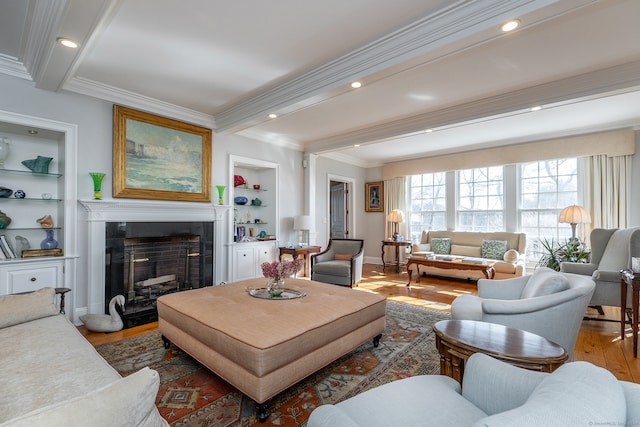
<point>238,180</point>
<point>240,200</point>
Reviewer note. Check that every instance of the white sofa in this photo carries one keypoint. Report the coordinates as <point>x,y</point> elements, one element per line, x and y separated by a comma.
<point>52,376</point>
<point>493,394</point>
<point>469,244</point>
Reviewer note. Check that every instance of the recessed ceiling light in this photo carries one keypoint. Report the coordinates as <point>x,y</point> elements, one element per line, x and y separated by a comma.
<point>511,25</point>
<point>273,115</point>
<point>429,130</point>
<point>67,42</point>
<point>356,85</point>
<point>32,132</point>
<point>536,108</point>
<point>356,145</point>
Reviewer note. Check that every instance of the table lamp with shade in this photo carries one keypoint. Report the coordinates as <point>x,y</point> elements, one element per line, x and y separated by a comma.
<point>396,216</point>
<point>303,224</point>
<point>574,215</point>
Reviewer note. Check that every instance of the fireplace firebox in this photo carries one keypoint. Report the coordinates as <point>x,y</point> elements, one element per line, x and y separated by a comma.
<point>147,260</point>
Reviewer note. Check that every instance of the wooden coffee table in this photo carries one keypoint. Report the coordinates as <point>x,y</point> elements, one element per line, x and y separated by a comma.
<point>457,340</point>
<point>456,264</point>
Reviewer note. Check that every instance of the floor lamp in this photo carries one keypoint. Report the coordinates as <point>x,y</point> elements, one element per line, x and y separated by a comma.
<point>574,215</point>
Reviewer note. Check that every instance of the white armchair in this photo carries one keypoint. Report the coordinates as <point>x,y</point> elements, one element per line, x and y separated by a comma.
<point>547,303</point>
<point>611,251</point>
<point>495,394</point>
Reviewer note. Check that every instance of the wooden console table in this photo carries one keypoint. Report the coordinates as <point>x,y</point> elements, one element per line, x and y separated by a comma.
<point>397,245</point>
<point>457,340</point>
<point>296,252</point>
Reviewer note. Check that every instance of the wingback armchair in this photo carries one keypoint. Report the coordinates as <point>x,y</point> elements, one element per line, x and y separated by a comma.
<point>548,303</point>
<point>611,251</point>
<point>340,263</point>
<point>494,394</point>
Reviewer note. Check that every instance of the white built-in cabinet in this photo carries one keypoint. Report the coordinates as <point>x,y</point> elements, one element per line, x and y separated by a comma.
<point>257,217</point>
<point>52,193</point>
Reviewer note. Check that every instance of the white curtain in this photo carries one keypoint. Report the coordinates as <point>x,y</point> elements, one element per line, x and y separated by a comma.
<point>607,190</point>
<point>395,197</point>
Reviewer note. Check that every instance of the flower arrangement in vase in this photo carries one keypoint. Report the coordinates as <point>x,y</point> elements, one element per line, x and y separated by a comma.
<point>277,271</point>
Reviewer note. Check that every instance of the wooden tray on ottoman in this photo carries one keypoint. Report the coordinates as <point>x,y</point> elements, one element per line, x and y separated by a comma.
<point>262,346</point>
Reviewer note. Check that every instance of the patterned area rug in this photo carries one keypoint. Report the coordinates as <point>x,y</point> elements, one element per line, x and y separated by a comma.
<point>191,395</point>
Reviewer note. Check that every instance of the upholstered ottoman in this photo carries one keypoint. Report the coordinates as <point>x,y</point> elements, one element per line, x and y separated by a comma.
<point>264,346</point>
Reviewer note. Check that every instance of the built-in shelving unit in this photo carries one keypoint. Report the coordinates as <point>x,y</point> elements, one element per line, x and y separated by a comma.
<point>53,193</point>
<point>255,224</point>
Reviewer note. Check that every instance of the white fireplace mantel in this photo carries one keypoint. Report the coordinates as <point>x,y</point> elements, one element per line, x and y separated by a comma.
<point>99,212</point>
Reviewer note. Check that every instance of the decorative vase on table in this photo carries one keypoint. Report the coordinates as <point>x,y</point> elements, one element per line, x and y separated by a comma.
<point>97,184</point>
<point>275,286</point>
<point>49,242</point>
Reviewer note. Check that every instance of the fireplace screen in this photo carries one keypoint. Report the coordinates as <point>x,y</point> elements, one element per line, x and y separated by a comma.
<point>154,261</point>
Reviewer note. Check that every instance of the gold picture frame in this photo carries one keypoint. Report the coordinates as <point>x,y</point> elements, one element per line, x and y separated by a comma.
<point>158,158</point>
<point>374,196</point>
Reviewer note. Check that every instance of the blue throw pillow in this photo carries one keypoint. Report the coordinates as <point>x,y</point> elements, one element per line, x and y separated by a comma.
<point>441,245</point>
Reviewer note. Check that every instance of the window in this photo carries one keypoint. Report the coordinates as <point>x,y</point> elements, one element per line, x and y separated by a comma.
<point>480,199</point>
<point>546,187</point>
<point>428,203</point>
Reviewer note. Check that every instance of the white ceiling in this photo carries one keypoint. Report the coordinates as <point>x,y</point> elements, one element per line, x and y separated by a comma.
<point>443,65</point>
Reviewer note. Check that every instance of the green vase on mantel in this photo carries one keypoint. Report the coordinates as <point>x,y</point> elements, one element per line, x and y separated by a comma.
<point>97,184</point>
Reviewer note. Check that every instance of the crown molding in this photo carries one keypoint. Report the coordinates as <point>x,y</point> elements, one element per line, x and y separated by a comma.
<point>456,22</point>
<point>134,100</point>
<point>622,77</point>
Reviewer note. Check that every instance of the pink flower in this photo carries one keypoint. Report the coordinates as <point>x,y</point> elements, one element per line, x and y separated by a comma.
<point>279,270</point>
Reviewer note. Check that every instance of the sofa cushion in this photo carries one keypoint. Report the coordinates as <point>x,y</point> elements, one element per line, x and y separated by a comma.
<point>129,401</point>
<point>472,251</point>
<point>511,256</point>
<point>576,394</point>
<point>493,249</point>
<point>544,281</point>
<point>440,245</point>
<point>22,308</point>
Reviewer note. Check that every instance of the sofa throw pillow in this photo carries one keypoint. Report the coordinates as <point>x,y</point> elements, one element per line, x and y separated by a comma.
<point>494,249</point>
<point>576,394</point>
<point>23,308</point>
<point>342,257</point>
<point>472,251</point>
<point>511,256</point>
<point>441,245</point>
<point>544,281</point>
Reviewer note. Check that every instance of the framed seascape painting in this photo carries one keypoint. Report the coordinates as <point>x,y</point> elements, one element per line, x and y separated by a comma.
<point>159,158</point>
<point>374,193</point>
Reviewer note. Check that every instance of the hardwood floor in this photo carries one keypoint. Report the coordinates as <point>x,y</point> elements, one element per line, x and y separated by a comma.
<point>598,340</point>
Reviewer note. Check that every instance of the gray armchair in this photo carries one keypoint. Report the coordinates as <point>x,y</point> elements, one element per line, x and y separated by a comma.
<point>611,251</point>
<point>495,394</point>
<point>340,263</point>
<point>547,303</point>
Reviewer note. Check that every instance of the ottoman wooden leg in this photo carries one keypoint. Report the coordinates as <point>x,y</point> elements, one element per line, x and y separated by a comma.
<point>166,342</point>
<point>262,410</point>
<point>376,340</point>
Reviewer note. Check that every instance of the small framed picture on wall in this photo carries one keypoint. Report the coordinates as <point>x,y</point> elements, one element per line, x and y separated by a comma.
<point>374,193</point>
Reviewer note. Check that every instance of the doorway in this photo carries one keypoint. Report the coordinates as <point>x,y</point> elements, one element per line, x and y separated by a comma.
<point>338,209</point>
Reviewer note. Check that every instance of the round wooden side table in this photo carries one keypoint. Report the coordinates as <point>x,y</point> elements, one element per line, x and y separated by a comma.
<point>457,340</point>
